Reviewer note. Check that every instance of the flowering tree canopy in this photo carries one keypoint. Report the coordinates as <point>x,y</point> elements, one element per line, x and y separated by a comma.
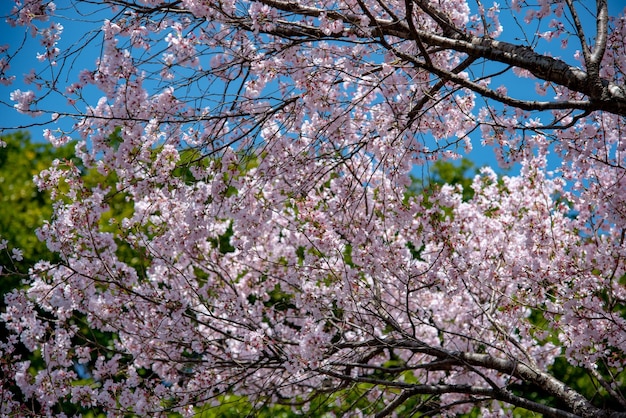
<point>252,232</point>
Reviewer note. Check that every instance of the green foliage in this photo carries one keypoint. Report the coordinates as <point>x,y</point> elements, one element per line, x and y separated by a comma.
<point>446,172</point>
<point>23,208</point>
<point>362,396</point>
<point>230,406</point>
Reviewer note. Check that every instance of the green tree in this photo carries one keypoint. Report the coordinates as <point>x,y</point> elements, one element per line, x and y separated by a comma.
<point>446,172</point>
<point>23,208</point>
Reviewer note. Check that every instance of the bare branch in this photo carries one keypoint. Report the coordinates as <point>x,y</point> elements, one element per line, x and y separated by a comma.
<point>602,29</point>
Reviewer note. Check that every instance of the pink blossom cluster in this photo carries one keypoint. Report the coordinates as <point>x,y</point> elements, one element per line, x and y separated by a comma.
<point>24,99</point>
<point>253,233</point>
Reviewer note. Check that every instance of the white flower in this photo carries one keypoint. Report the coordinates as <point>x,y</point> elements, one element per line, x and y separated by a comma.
<point>17,254</point>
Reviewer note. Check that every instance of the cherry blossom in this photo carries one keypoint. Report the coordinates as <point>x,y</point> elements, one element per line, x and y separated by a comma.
<point>252,230</point>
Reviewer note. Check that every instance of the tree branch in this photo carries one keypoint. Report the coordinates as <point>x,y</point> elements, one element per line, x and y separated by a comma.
<point>413,390</point>
<point>608,96</point>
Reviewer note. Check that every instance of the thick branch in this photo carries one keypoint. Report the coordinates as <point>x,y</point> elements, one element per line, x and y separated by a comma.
<point>602,28</point>
<point>604,94</point>
<point>575,401</point>
<point>498,394</point>
<point>543,67</point>
<point>579,404</point>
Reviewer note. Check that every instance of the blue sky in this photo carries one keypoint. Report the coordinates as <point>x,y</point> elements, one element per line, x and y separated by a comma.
<point>78,27</point>
<point>75,28</point>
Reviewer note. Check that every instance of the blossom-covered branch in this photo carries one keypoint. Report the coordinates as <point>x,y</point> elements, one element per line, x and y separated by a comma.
<point>241,218</point>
